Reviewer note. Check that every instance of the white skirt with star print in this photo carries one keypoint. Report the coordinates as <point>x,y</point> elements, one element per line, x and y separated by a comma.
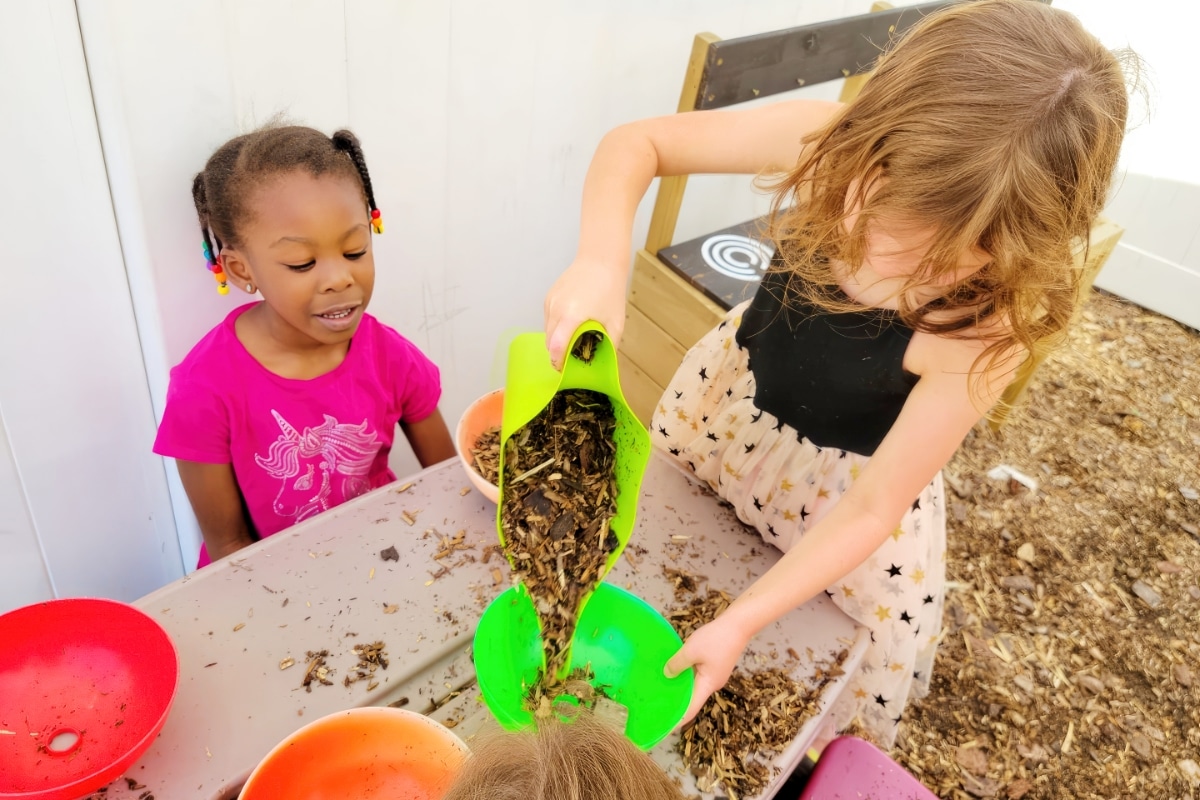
<point>782,484</point>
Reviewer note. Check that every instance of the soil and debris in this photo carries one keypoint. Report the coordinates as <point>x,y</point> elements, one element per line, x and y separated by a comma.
<point>1068,668</point>
<point>389,554</point>
<point>544,697</point>
<point>559,498</point>
<point>371,657</point>
<point>317,671</point>
<point>486,454</point>
<point>557,508</point>
<point>731,743</point>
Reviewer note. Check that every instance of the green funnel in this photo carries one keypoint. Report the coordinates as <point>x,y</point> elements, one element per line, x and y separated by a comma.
<point>532,382</point>
<point>624,641</point>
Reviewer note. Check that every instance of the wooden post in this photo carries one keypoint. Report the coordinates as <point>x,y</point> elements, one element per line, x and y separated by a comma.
<point>670,190</point>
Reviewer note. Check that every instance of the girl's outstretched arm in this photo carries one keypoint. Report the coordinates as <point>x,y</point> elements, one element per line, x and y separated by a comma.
<point>217,503</point>
<point>937,416</point>
<point>628,158</point>
<point>430,439</point>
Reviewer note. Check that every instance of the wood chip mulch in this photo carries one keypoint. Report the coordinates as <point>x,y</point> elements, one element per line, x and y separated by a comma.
<point>731,743</point>
<point>1072,630</point>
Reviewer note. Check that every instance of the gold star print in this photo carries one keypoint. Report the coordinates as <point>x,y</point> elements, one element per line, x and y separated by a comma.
<point>883,612</point>
<point>695,427</point>
<point>918,575</point>
<point>788,515</point>
<point>681,414</point>
<point>662,410</point>
<point>896,667</point>
<point>823,493</point>
<point>860,693</point>
<point>786,485</point>
<point>854,471</point>
<point>726,345</point>
<point>770,495</point>
<point>896,534</point>
<point>847,591</point>
<point>728,434</point>
<point>737,322</point>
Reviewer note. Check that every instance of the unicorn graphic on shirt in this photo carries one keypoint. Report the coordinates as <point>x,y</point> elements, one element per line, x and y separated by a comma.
<point>308,464</point>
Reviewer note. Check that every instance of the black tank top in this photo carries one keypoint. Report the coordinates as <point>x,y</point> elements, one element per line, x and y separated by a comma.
<point>837,379</point>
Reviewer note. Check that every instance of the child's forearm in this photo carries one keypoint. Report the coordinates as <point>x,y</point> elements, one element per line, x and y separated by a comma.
<point>430,439</point>
<point>218,549</point>
<point>621,171</point>
<point>845,538</point>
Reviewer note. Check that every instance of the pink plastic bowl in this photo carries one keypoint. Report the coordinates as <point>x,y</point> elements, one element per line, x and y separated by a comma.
<point>484,413</point>
<point>364,753</point>
<point>85,686</point>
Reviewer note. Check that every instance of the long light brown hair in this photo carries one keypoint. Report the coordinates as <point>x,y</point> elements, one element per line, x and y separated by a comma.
<point>578,759</point>
<point>996,124</point>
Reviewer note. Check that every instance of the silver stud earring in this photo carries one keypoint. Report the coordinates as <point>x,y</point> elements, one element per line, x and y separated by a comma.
<point>249,288</point>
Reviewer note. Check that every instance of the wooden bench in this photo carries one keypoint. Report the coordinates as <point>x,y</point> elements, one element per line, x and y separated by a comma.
<point>680,291</point>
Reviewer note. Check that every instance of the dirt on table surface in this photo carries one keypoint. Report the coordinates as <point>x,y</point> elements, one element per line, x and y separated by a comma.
<point>1072,630</point>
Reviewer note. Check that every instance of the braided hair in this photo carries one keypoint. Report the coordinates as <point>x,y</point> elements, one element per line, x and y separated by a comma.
<point>221,189</point>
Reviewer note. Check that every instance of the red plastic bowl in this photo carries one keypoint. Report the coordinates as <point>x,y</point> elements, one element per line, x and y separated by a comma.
<point>85,686</point>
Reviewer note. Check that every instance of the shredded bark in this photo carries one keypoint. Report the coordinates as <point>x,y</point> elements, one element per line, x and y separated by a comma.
<point>731,743</point>
<point>559,498</point>
<point>317,671</point>
<point>371,657</point>
<point>1071,642</point>
<point>486,454</point>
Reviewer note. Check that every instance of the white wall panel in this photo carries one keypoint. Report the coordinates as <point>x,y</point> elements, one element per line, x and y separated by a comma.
<point>73,390</point>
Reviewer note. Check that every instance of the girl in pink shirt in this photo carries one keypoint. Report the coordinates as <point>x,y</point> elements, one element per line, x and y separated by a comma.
<point>289,407</point>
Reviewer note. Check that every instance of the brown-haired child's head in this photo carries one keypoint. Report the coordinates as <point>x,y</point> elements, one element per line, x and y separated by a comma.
<point>994,126</point>
<point>578,759</point>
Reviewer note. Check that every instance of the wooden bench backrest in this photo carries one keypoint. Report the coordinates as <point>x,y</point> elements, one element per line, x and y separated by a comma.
<point>725,72</point>
<point>738,70</point>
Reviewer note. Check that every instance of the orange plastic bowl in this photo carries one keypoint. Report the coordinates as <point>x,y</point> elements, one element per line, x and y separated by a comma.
<point>484,413</point>
<point>364,753</point>
<point>85,686</point>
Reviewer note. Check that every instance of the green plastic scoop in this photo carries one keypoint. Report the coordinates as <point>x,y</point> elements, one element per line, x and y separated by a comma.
<point>532,382</point>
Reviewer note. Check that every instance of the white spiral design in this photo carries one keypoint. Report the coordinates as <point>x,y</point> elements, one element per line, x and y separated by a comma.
<point>737,256</point>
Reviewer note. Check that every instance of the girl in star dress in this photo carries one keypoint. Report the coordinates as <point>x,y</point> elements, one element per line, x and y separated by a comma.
<point>924,239</point>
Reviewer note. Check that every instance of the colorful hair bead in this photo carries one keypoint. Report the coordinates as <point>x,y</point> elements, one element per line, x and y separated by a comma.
<point>376,221</point>
<point>217,269</point>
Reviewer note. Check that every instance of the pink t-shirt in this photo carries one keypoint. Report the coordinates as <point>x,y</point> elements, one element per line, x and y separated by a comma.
<point>298,447</point>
